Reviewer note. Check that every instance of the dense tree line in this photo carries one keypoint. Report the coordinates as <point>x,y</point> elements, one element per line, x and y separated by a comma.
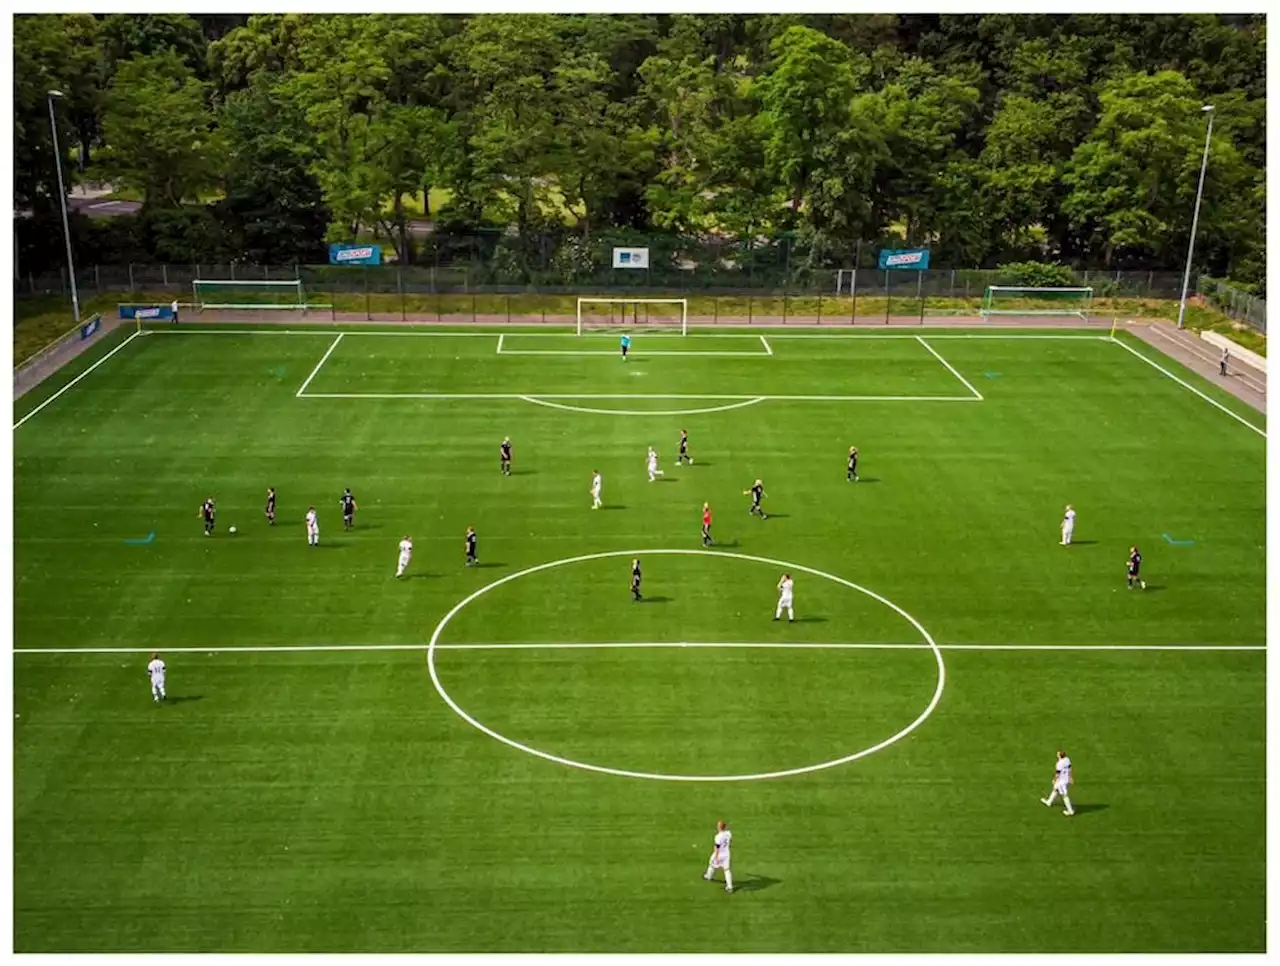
<point>986,137</point>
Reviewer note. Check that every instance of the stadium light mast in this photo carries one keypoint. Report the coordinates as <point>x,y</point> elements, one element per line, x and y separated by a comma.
<point>62,197</point>
<point>1195,218</point>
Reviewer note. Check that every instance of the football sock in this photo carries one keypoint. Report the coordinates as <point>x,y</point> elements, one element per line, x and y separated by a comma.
<point>728,879</point>
<point>1066,800</point>
<point>1052,796</point>
<point>709,873</point>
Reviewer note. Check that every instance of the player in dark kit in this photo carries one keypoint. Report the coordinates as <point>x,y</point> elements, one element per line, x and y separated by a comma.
<point>505,451</point>
<point>852,474</point>
<point>271,505</point>
<point>706,524</point>
<point>1134,568</point>
<point>206,512</point>
<point>684,448</point>
<point>635,579</point>
<point>757,494</point>
<point>471,547</point>
<point>349,508</point>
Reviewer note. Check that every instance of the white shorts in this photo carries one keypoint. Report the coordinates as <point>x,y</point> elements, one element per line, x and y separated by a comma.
<point>719,861</point>
<point>1067,531</point>
<point>313,531</point>
<point>596,494</point>
<point>404,560</point>
<point>785,602</point>
<point>157,682</point>
<point>1061,787</point>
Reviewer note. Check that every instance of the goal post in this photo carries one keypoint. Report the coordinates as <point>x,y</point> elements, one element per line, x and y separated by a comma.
<point>225,293</point>
<point>1032,300</point>
<point>627,314</point>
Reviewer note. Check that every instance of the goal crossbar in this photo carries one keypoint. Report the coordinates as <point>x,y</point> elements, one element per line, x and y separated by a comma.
<point>682,320</point>
<point>275,291</point>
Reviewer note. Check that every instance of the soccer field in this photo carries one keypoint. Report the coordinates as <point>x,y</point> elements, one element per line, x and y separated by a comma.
<point>518,756</point>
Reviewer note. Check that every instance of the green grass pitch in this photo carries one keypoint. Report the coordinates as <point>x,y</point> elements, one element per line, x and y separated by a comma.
<point>308,787</point>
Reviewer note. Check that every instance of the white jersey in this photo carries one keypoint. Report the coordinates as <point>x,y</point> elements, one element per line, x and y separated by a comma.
<point>156,669</point>
<point>653,460</point>
<point>406,549</point>
<point>720,857</point>
<point>1069,520</point>
<point>784,590</point>
<point>1062,774</point>
<point>312,522</point>
<point>595,483</point>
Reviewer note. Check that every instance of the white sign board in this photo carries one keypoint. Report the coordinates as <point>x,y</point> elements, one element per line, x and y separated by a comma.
<point>631,258</point>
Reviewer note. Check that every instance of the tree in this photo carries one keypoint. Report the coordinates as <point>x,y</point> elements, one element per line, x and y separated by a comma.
<point>274,203</point>
<point>160,130</point>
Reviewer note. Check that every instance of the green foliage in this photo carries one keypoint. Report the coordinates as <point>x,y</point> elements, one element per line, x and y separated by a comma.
<point>1037,274</point>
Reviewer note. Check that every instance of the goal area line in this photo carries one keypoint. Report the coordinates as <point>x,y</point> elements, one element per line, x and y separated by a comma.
<point>643,645</point>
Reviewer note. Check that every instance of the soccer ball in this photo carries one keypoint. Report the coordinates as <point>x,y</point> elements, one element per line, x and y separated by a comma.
<point>231,530</point>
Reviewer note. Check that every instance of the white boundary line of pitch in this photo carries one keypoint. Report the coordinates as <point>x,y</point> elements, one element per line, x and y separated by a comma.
<point>640,645</point>
<point>133,336</point>
<point>952,369</point>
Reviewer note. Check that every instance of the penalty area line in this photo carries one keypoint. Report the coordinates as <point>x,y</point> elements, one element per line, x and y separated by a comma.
<point>640,645</point>
<point>323,359</point>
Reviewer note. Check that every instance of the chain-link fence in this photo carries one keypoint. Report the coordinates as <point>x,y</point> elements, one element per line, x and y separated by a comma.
<point>1234,303</point>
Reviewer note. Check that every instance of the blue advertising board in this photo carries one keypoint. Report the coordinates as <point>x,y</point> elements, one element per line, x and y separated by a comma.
<point>344,254</point>
<point>159,313</point>
<point>90,327</point>
<point>911,259</point>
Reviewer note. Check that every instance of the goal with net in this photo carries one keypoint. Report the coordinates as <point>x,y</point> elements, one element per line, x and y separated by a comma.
<point>610,314</point>
<point>1016,300</point>
<point>225,293</point>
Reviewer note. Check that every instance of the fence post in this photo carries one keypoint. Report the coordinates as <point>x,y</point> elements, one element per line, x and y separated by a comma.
<point>473,306</point>
<point>31,278</point>
<point>164,273</point>
<point>233,269</point>
<point>888,299</point>
<point>853,290</point>
<point>508,308</point>
<point>749,309</point>
<point>715,310</point>
<point>819,308</point>
<point>784,307</point>
<point>920,294</point>
<point>368,315</point>
<point>131,276</point>
<point>97,278</point>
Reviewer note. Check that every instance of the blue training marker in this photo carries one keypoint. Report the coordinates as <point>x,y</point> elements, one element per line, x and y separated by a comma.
<point>143,541</point>
<point>1177,543</point>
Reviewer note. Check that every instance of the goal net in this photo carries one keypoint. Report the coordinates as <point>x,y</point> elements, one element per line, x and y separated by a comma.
<point>1016,300</point>
<point>219,293</point>
<point>622,314</point>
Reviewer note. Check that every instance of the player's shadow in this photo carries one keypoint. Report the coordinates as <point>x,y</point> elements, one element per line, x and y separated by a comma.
<point>1094,807</point>
<point>654,600</point>
<point>1153,588</point>
<point>811,620</point>
<point>423,576</point>
<point>613,506</point>
<point>488,563</point>
<point>724,544</point>
<point>1084,543</point>
<point>756,883</point>
<point>523,472</point>
<point>182,698</point>
<point>866,479</point>
<point>779,516</point>
<point>365,526</point>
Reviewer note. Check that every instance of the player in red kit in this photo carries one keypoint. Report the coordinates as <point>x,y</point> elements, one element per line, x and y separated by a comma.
<point>706,524</point>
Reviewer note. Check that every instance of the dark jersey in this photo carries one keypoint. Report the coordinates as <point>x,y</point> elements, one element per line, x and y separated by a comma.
<point>684,444</point>
<point>207,510</point>
<point>853,461</point>
<point>271,500</point>
<point>348,504</point>
<point>757,492</point>
<point>635,575</point>
<point>506,452</point>
<point>471,544</point>
<point>1135,562</point>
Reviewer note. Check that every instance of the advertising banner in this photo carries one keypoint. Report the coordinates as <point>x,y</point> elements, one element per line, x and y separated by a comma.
<point>343,254</point>
<point>160,313</point>
<point>631,258</point>
<point>911,259</point>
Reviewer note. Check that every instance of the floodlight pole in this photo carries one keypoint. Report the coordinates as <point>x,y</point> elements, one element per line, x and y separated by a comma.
<point>62,197</point>
<point>1195,218</point>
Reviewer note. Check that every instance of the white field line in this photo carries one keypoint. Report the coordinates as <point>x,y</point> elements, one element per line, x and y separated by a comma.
<point>501,337</point>
<point>845,336</point>
<point>967,384</point>
<point>765,342</point>
<point>642,354</point>
<point>131,337</point>
<point>1187,385</point>
<point>323,359</point>
<point>607,645</point>
<point>1195,348</point>
<point>560,395</point>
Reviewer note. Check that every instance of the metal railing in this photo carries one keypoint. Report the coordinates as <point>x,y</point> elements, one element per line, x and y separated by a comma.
<point>1233,302</point>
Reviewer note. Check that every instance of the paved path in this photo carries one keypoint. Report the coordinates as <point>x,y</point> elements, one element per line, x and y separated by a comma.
<point>1242,381</point>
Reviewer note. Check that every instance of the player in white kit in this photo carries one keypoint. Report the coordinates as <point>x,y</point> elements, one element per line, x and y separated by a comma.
<point>595,490</point>
<point>1061,784</point>
<point>406,551</point>
<point>155,670</point>
<point>785,598</point>
<point>654,472</point>
<point>1068,525</point>
<point>313,527</point>
<point>720,856</point>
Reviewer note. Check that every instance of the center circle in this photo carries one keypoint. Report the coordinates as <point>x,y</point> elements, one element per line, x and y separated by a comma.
<point>655,776</point>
